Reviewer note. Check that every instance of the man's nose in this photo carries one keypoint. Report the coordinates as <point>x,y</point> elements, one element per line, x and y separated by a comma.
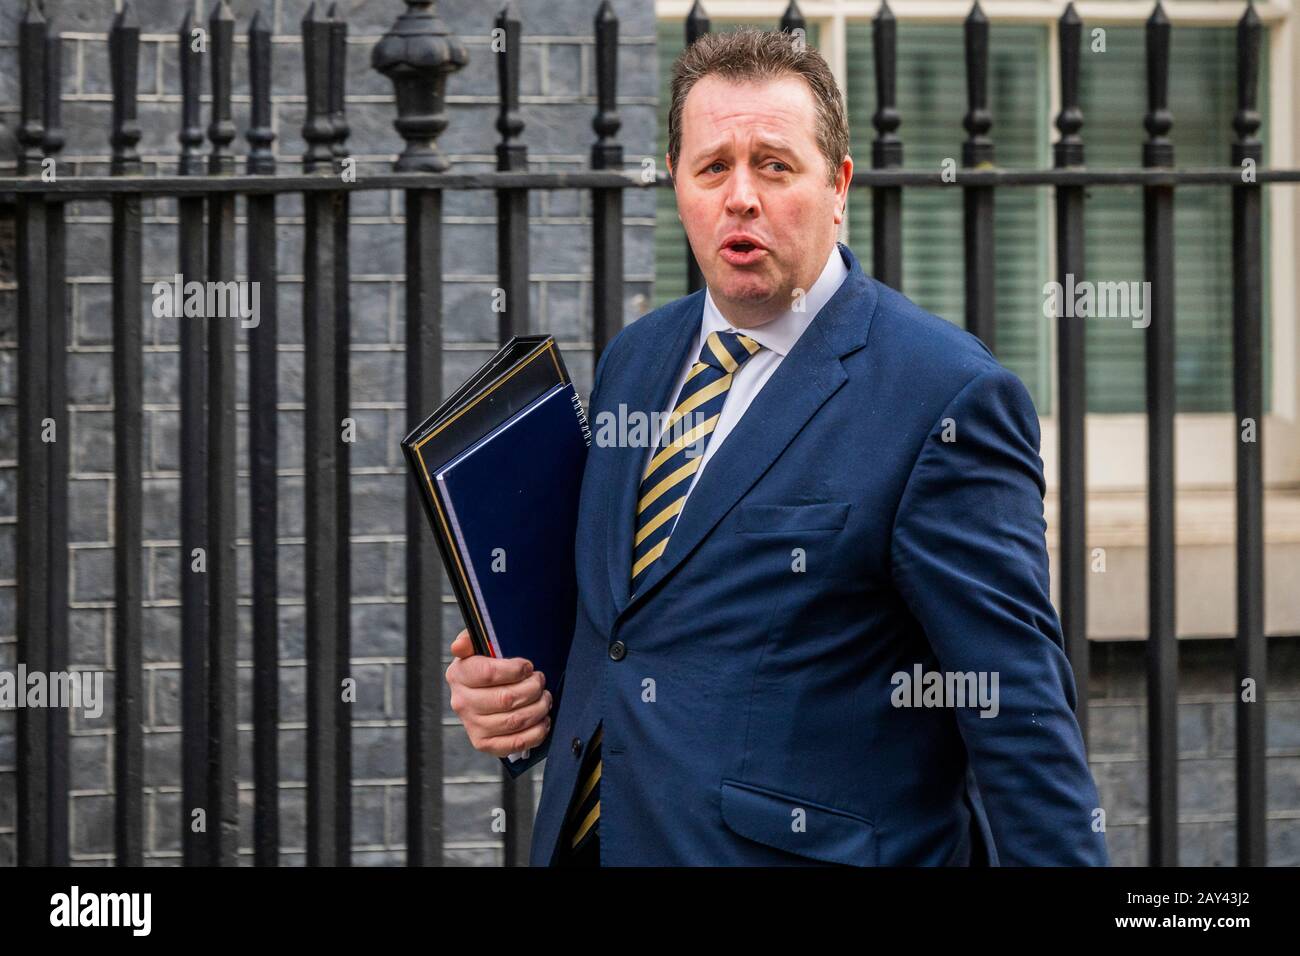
<point>742,192</point>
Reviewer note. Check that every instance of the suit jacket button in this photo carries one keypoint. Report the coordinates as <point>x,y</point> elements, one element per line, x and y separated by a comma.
<point>617,651</point>
<point>577,746</point>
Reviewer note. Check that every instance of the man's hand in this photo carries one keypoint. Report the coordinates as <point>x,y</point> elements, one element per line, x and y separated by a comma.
<point>502,702</point>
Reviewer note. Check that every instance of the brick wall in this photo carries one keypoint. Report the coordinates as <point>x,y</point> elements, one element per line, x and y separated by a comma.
<point>558,103</point>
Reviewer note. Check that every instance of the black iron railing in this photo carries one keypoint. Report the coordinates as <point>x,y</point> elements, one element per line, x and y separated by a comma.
<point>417,55</point>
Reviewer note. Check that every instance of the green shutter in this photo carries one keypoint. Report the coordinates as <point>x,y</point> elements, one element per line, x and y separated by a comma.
<point>1202,95</point>
<point>932,104</point>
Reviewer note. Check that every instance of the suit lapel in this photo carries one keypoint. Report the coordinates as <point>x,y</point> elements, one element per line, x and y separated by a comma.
<point>809,375</point>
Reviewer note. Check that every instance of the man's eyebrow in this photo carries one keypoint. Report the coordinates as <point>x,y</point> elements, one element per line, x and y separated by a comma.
<point>762,143</point>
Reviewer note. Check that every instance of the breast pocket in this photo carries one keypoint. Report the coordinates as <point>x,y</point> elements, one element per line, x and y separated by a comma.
<point>771,519</point>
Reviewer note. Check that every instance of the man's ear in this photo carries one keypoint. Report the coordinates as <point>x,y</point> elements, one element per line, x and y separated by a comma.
<point>668,161</point>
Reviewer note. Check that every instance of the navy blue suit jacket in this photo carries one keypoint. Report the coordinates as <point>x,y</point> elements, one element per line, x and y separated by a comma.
<point>751,717</point>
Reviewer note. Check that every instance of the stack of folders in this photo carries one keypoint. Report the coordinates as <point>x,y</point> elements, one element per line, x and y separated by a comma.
<point>499,466</point>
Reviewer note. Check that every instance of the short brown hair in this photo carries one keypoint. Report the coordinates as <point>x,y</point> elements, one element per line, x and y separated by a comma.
<point>749,54</point>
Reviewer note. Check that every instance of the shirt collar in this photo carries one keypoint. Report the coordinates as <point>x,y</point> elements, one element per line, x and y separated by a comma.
<point>781,333</point>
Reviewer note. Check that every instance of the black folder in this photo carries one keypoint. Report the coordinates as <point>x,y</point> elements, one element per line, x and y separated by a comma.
<point>499,467</point>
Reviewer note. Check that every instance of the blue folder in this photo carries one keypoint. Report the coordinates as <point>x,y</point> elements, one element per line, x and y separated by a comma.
<point>500,467</point>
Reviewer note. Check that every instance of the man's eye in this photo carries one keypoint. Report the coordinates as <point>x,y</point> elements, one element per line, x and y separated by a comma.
<point>716,163</point>
<point>777,162</point>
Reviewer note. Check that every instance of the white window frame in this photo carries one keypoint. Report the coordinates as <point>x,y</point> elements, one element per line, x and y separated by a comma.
<point>1116,443</point>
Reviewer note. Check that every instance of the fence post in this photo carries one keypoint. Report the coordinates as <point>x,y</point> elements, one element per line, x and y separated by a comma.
<point>886,153</point>
<point>512,204</point>
<point>697,24</point>
<point>223,582</point>
<point>194,468</point>
<point>417,54</point>
<point>128,430</point>
<point>335,29</point>
<point>606,204</point>
<point>325,763</point>
<point>263,450</point>
<point>1071,404</point>
<point>33,537</point>
<point>1248,406</point>
<point>57,298</point>
<point>512,268</point>
<point>1162,638</point>
<point>977,201</point>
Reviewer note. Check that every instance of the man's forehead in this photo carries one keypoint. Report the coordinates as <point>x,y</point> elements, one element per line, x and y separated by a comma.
<point>778,123</point>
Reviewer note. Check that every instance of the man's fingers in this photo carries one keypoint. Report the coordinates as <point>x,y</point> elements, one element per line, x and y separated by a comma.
<point>483,671</point>
<point>513,743</point>
<point>476,702</point>
<point>514,721</point>
<point>462,646</point>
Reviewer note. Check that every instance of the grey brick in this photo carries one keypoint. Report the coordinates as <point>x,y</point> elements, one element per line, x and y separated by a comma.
<point>162,372</point>
<point>1283,783</point>
<point>161,628</point>
<point>162,513</point>
<point>88,762</point>
<point>293,692</point>
<point>1121,786</point>
<point>92,313</point>
<point>369,568</point>
<point>564,74</point>
<point>92,444</point>
<point>88,510</point>
<point>1126,845</point>
<point>1194,729</point>
<point>162,759</point>
<point>166,820</point>
<point>371,681</point>
<point>1223,728</point>
<point>8,800</point>
<point>90,379</point>
<point>378,630</point>
<point>369,822</point>
<point>379,504</point>
<point>166,690</point>
<point>370,312</point>
<point>467,813</point>
<point>80,721</point>
<point>1284,725</point>
<point>1283,843</point>
<point>377,752</point>
<point>92,574</point>
<point>87,636</point>
<point>92,824</point>
<point>371,449</point>
<point>1206,785</point>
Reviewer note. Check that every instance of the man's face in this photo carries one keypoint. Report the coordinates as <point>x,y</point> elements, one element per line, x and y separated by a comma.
<point>750,165</point>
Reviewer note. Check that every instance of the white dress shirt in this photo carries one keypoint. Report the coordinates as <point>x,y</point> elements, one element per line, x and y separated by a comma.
<point>777,338</point>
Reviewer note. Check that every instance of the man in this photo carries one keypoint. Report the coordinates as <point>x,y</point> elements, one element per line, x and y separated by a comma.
<point>814,626</point>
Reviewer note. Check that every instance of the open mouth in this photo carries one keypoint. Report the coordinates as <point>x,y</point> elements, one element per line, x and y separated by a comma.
<point>742,246</point>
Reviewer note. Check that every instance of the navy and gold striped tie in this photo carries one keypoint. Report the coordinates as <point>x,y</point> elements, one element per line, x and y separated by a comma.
<point>662,493</point>
<point>681,447</point>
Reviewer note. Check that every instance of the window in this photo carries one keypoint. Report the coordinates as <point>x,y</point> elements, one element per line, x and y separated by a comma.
<point>1023,100</point>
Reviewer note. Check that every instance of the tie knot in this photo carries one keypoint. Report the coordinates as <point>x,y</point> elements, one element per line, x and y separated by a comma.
<point>728,350</point>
